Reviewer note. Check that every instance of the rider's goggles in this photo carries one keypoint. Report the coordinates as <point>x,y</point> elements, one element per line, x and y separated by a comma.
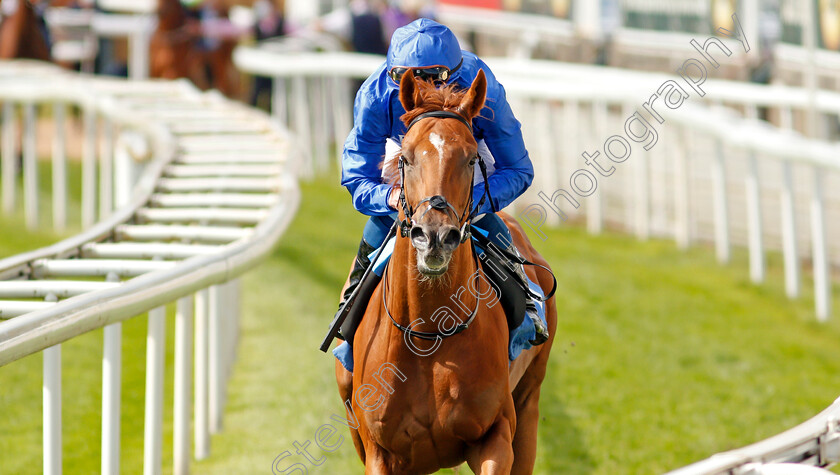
<point>427,73</point>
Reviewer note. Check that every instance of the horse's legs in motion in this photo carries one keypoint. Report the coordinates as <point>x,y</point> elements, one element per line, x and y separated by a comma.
<point>494,454</point>
<point>375,463</point>
<point>344,379</point>
<point>526,399</point>
<point>527,417</point>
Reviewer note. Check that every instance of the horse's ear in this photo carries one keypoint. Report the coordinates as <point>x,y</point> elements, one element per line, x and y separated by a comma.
<point>473,100</point>
<point>409,92</point>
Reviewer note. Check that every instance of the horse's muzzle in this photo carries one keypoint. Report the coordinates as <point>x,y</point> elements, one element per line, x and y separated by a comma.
<point>434,245</point>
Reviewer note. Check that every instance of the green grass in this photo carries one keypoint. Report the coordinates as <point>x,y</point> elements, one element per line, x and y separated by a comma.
<point>662,358</point>
<point>20,382</point>
<point>14,237</point>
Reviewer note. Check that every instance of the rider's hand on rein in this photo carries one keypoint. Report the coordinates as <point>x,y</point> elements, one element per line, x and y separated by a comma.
<point>394,197</point>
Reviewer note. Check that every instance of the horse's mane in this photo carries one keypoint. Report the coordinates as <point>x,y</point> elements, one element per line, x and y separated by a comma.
<point>446,98</point>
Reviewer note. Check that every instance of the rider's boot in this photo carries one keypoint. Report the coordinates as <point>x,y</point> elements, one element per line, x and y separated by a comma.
<point>360,265</point>
<point>540,329</point>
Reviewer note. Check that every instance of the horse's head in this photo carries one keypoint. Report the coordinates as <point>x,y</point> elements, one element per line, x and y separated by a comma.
<point>438,154</point>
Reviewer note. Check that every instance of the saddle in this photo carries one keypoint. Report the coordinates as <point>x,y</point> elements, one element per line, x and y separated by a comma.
<point>505,281</point>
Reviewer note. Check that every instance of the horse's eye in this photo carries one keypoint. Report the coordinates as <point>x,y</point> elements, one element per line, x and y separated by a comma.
<point>473,159</point>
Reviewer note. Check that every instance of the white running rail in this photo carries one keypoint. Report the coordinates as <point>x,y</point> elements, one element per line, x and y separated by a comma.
<point>704,181</point>
<point>218,191</point>
<point>715,175</point>
<point>803,450</point>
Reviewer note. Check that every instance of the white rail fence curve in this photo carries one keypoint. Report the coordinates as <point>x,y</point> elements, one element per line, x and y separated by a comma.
<point>720,175</point>
<point>193,190</point>
<point>644,47</point>
<point>714,178</point>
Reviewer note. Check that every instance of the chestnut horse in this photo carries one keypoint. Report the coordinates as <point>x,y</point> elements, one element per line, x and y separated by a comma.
<point>174,51</point>
<point>171,47</point>
<point>462,400</point>
<point>21,36</point>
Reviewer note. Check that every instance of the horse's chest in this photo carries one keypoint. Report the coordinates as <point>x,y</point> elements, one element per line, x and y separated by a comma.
<point>443,405</point>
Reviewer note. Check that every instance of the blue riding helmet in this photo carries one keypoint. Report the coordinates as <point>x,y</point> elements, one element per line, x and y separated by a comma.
<point>376,117</point>
<point>428,44</point>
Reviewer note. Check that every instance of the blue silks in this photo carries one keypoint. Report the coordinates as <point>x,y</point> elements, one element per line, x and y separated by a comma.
<point>377,111</point>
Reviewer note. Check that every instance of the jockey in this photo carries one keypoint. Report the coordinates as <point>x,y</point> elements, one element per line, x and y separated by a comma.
<point>432,52</point>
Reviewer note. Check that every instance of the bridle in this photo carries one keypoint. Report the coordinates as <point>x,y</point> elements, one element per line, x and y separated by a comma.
<point>440,203</point>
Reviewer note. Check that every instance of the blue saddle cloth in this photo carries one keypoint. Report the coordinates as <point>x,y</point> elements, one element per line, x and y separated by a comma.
<point>519,336</point>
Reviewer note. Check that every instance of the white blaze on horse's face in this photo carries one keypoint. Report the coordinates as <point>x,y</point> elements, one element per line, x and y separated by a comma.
<point>438,142</point>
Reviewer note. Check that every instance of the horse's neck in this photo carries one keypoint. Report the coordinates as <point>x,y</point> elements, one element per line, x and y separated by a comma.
<point>411,297</point>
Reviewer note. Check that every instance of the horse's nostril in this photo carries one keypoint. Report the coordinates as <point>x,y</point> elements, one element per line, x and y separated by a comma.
<point>450,237</point>
<point>419,237</point>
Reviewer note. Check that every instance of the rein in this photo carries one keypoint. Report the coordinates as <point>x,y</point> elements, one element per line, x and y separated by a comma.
<point>440,203</point>
<point>430,335</point>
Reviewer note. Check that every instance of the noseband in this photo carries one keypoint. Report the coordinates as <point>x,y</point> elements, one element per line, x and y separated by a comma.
<point>439,202</point>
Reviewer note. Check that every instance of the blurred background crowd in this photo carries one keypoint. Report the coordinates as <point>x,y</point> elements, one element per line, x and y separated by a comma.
<point>196,39</point>
<point>191,39</point>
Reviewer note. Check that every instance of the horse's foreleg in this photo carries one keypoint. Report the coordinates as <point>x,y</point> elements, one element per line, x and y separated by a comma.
<point>344,379</point>
<point>526,399</point>
<point>494,454</point>
<point>377,466</point>
<point>525,438</point>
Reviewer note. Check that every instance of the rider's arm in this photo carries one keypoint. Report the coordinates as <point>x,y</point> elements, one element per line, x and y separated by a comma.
<point>364,150</point>
<point>503,135</point>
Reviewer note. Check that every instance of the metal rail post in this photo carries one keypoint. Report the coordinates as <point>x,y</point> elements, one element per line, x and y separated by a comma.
<point>183,386</point>
<point>153,429</point>
<point>59,168</point>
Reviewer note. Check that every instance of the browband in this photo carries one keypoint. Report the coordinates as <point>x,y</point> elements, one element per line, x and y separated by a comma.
<point>439,115</point>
